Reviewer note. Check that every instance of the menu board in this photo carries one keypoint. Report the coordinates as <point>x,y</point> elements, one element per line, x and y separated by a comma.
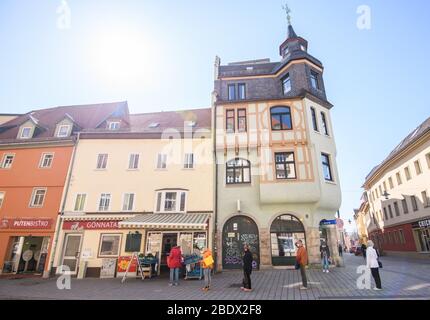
<point>108,268</point>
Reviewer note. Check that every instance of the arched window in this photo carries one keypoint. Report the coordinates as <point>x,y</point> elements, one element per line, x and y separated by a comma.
<point>238,171</point>
<point>281,118</point>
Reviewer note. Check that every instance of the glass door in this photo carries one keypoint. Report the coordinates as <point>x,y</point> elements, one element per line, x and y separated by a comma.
<point>71,252</point>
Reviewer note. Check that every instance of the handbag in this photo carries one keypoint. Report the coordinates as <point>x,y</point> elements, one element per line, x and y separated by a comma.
<point>297,265</point>
<point>208,261</point>
<point>380,264</point>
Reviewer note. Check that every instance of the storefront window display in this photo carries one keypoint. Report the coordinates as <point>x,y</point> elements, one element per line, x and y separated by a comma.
<point>109,245</point>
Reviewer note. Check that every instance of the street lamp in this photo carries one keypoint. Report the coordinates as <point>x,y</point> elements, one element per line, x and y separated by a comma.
<point>386,195</point>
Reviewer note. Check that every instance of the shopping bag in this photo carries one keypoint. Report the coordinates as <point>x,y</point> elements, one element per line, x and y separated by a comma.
<point>208,261</point>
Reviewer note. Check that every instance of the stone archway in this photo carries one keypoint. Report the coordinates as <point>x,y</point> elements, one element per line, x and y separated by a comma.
<point>285,231</point>
<point>237,232</point>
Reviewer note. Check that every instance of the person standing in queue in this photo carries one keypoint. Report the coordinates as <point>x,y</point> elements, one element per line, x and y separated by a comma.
<point>301,262</point>
<point>247,269</point>
<point>174,262</point>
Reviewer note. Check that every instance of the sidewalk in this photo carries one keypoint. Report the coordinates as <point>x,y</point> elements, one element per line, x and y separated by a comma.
<point>400,279</point>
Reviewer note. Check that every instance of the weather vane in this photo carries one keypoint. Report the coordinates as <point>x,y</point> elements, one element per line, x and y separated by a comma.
<point>287,11</point>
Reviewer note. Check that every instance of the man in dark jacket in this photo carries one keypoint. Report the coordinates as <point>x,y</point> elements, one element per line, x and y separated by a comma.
<point>247,269</point>
<point>363,250</point>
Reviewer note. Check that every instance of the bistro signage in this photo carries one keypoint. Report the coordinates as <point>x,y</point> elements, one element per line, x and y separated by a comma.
<point>26,223</point>
<point>90,225</point>
<point>421,224</point>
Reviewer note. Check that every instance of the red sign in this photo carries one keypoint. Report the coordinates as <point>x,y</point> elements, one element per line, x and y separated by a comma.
<point>90,225</point>
<point>26,223</point>
<point>123,263</point>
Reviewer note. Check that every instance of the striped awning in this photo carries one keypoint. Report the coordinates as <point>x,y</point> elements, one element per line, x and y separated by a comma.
<point>167,220</point>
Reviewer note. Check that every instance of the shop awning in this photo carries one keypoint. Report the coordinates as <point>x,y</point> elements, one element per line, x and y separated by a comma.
<point>167,220</point>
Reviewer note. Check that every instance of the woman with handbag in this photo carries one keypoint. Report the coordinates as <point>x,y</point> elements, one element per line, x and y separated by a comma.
<point>207,265</point>
<point>373,264</point>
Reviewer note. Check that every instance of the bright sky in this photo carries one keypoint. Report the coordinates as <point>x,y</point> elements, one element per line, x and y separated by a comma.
<point>158,55</point>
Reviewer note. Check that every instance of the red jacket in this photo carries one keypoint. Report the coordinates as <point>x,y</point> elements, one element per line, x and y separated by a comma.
<point>175,258</point>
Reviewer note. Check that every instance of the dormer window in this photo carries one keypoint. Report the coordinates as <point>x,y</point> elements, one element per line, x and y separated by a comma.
<point>114,125</point>
<point>303,48</point>
<point>314,80</point>
<point>63,131</point>
<point>191,123</point>
<point>286,84</point>
<point>286,51</point>
<point>26,133</point>
<point>154,125</point>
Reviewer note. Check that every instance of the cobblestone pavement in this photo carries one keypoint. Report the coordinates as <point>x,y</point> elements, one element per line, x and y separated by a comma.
<point>401,279</point>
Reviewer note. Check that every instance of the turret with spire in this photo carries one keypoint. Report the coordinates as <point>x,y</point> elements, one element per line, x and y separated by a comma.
<point>293,42</point>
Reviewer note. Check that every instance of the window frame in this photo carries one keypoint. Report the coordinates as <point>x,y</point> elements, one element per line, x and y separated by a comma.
<point>231,85</point>
<point>227,118</point>
<point>405,206</point>
<point>103,163</point>
<point>239,117</point>
<point>418,168</point>
<point>425,198</point>
<point>161,161</point>
<point>428,160</point>
<point>3,162</point>
<point>390,211</point>
<point>42,160</point>
<point>238,168</point>
<point>160,207</point>
<point>2,197</point>
<point>396,208</point>
<point>314,75</point>
<point>283,81</point>
<point>330,170</point>
<point>285,165</point>
<point>33,197</point>
<point>124,196</point>
<point>117,125</point>
<point>99,255</point>
<point>81,203</point>
<point>135,165</point>
<point>314,118</point>
<point>187,164</point>
<point>407,173</point>
<point>68,126</point>
<point>239,85</point>
<point>324,123</point>
<point>22,132</point>
<point>414,202</point>
<point>281,114</point>
<point>399,178</point>
<point>99,206</point>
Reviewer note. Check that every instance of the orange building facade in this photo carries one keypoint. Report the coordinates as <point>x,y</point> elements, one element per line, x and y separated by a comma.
<point>32,180</point>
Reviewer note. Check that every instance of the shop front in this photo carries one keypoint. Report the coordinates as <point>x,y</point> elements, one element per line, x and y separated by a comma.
<point>25,245</point>
<point>422,234</point>
<point>165,231</point>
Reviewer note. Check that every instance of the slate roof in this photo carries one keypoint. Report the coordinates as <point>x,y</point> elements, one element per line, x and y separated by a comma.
<point>422,129</point>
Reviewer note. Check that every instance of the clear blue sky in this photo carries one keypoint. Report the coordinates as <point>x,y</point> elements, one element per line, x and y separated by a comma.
<point>158,55</point>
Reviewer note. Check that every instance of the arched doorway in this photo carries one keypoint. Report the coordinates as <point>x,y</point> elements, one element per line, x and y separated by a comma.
<point>237,232</point>
<point>285,231</point>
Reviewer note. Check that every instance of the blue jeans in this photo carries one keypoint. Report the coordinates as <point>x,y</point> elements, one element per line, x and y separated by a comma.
<point>207,276</point>
<point>325,263</point>
<point>174,275</point>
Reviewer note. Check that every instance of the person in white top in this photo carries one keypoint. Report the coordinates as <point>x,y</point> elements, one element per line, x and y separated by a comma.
<point>373,264</point>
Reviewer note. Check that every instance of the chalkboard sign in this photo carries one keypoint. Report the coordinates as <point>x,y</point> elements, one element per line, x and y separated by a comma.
<point>133,242</point>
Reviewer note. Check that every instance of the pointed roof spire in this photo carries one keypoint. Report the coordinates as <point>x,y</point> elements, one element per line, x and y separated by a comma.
<point>291,32</point>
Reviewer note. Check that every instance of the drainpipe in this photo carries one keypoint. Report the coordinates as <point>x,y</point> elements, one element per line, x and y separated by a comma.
<point>63,204</point>
<point>214,238</point>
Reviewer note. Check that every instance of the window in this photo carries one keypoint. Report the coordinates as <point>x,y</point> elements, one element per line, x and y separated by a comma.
<point>286,84</point>
<point>162,161</point>
<point>324,123</point>
<point>285,165</point>
<point>26,133</point>
<point>38,197</point>
<point>281,118</point>
<point>390,182</point>
<point>426,200</point>
<point>171,201</point>
<point>1,198</point>
<point>109,245</point>
<point>385,186</point>
<point>396,209</point>
<point>113,125</point>
<point>390,211</point>
<point>104,202</point>
<point>189,161</point>
<point>286,51</point>
<point>405,206</point>
<point>128,202</point>
<point>414,203</point>
<point>314,119</point>
<point>402,237</point>
<point>380,190</point>
<point>385,214</point>
<point>80,202</point>
<point>399,178</point>
<point>238,171</point>
<point>230,121</point>
<point>7,161</point>
<point>231,92</point>
<point>133,162</point>
<point>325,158</point>
<point>63,131</point>
<point>314,80</point>
<point>102,161</point>
<point>428,160</point>
<point>241,120</point>
<point>418,169</point>
<point>46,160</point>
<point>241,88</point>
<point>407,173</point>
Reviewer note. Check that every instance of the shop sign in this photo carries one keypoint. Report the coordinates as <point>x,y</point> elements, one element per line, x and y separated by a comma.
<point>422,224</point>
<point>26,223</point>
<point>90,225</point>
<point>328,222</point>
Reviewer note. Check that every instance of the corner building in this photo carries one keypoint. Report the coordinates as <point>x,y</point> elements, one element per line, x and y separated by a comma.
<point>276,173</point>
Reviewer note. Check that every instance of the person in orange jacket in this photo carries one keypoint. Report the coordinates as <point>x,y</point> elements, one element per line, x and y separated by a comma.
<point>207,268</point>
<point>301,262</point>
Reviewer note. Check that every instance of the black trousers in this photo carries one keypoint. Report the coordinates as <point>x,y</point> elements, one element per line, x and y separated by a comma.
<point>303,274</point>
<point>376,277</point>
<point>246,279</point>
